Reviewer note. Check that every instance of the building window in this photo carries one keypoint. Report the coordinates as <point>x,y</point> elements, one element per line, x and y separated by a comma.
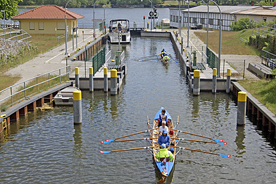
<point>41,26</point>
<point>61,26</point>
<point>211,21</point>
<point>219,22</point>
<point>171,17</point>
<point>264,18</point>
<point>32,26</point>
<point>202,20</point>
<point>176,19</point>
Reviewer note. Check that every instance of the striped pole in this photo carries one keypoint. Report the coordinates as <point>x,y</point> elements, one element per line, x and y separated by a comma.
<point>113,87</point>
<point>105,81</point>
<point>196,87</point>
<point>91,87</point>
<point>214,86</point>
<point>228,81</point>
<point>77,77</point>
<point>242,97</point>
<point>77,108</point>
<point>181,45</point>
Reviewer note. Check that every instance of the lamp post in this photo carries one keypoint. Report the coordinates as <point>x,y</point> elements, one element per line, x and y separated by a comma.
<point>151,16</point>
<point>219,37</point>
<point>179,20</point>
<point>207,25</point>
<point>66,31</point>
<point>188,23</point>
<point>4,29</point>
<point>94,18</point>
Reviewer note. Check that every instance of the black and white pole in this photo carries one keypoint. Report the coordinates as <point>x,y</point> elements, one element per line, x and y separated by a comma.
<point>77,108</point>
<point>228,80</point>
<point>196,87</point>
<point>242,97</point>
<point>91,87</point>
<point>105,81</point>
<point>181,45</point>
<point>77,77</point>
<point>113,87</point>
<point>214,84</point>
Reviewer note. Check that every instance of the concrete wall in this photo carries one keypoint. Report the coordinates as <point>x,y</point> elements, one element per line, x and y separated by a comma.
<point>155,34</point>
<point>48,26</point>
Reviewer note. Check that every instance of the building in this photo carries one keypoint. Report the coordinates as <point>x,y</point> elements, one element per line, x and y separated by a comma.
<point>199,14</point>
<point>258,14</point>
<point>46,19</point>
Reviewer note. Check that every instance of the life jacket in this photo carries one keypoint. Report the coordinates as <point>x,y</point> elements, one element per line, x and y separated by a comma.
<point>164,153</point>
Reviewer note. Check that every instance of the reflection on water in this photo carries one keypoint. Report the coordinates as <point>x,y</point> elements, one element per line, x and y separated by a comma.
<point>47,147</point>
<point>240,140</point>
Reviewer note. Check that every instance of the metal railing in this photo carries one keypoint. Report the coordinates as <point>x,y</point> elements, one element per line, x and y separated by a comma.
<point>265,30</point>
<point>108,57</point>
<point>244,40</point>
<point>21,91</point>
<point>204,59</point>
<point>98,60</point>
<point>268,59</point>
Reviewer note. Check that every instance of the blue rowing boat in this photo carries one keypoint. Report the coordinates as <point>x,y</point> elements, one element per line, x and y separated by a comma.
<point>165,167</point>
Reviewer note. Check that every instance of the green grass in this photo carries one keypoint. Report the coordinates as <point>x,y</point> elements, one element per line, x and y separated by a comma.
<point>41,43</point>
<point>264,91</point>
<point>230,42</point>
<point>7,80</point>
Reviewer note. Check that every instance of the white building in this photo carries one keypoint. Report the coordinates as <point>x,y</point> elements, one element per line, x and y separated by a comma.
<point>198,15</point>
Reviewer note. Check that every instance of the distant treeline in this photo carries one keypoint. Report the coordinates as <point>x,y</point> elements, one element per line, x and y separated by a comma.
<point>81,3</point>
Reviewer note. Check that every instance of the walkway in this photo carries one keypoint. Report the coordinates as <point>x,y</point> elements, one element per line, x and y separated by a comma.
<point>51,60</point>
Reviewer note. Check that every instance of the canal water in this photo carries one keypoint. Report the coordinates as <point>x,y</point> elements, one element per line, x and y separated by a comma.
<point>45,146</point>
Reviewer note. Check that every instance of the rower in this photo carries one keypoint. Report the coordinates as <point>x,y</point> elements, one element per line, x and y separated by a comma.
<point>163,127</point>
<point>162,53</point>
<point>163,113</point>
<point>164,138</point>
<point>166,58</point>
<point>164,153</point>
<point>164,118</point>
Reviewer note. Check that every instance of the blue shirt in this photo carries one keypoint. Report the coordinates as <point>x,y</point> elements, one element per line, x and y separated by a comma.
<point>164,140</point>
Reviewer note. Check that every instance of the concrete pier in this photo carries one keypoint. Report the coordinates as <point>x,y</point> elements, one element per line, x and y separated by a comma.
<point>214,84</point>
<point>196,86</point>
<point>77,107</point>
<point>91,86</point>
<point>242,97</point>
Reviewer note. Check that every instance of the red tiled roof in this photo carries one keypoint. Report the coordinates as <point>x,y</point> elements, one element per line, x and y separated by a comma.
<point>48,12</point>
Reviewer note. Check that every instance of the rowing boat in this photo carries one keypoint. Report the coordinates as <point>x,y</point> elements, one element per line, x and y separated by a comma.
<point>164,167</point>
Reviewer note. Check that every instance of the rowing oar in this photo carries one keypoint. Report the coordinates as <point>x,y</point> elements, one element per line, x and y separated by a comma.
<point>220,143</point>
<point>129,149</point>
<point>177,139</point>
<point>217,140</point>
<point>138,139</point>
<point>111,140</point>
<point>182,139</point>
<point>224,156</point>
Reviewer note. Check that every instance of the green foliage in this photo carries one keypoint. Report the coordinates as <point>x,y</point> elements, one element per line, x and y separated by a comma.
<point>243,23</point>
<point>10,7</point>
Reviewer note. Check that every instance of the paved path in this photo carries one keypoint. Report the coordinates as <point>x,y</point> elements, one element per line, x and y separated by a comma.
<point>50,61</point>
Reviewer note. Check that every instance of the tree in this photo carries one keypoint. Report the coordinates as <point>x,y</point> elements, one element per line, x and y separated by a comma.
<point>10,7</point>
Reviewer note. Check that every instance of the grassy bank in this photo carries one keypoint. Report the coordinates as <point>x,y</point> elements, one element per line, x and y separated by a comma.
<point>230,42</point>
<point>264,91</point>
<point>41,44</point>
